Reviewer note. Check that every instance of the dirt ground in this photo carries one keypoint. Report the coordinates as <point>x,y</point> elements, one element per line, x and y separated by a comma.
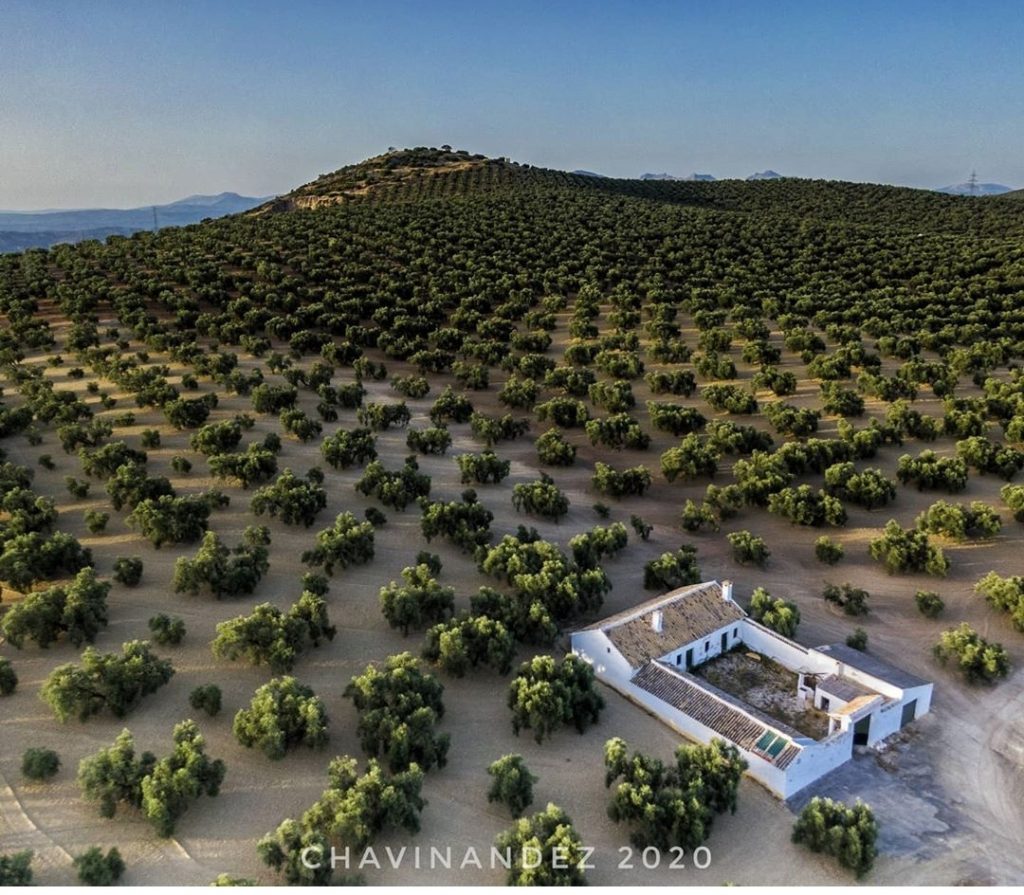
<point>949,800</point>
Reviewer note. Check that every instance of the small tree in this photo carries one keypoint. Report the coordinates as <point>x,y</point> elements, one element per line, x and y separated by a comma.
<point>748,548</point>
<point>469,641</point>
<point>8,677</point>
<point>16,869</point>
<point>780,615</point>
<point>346,543</point>
<point>206,698</point>
<point>672,570</point>
<point>40,764</point>
<point>78,611</point>
<point>128,570</point>
<point>399,707</point>
<point>558,853</point>
<point>929,603</point>
<point>827,551</point>
<point>283,715</point>
<point>852,600</point>
<point>542,498</point>
<point>292,499</point>
<point>421,600</point>
<point>168,630</point>
<point>908,550</point>
<point>512,785</point>
<point>847,834</point>
<point>105,680</point>
<point>98,869</point>
<point>858,640</point>
<point>546,694</point>
<point>554,450</point>
<point>975,658</point>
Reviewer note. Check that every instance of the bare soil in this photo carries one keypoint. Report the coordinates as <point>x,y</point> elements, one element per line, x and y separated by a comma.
<point>949,801</point>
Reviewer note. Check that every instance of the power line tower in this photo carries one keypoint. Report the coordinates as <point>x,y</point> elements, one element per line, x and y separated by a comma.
<point>972,183</point>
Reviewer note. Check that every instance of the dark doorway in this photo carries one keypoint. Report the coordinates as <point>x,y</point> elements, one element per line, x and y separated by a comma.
<point>909,713</point>
<point>725,641</point>
<point>689,659</point>
<point>861,730</point>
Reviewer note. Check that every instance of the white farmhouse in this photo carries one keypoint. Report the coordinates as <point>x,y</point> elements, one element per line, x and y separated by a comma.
<point>648,654</point>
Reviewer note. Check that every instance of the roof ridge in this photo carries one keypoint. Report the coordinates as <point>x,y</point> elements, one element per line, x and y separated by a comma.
<point>639,609</point>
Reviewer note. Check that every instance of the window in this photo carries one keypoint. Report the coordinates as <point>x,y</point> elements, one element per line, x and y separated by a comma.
<point>679,658</point>
<point>735,633</point>
<point>707,645</point>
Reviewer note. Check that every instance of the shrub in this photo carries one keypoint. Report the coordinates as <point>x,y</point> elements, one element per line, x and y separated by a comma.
<point>1006,594</point>
<point>642,528</point>
<point>852,600</point>
<point>729,398</point>
<point>96,521</point>
<point>40,764</point>
<point>929,603</point>
<point>748,548</point>
<point>76,487</point>
<point>858,640</point>
<point>168,630</point>
<point>8,677</point>
<point>206,698</point>
<point>959,521</point>
<point>788,419</point>
<point>975,658</point>
<point>466,522</point>
<point>847,834</point>
<point>16,869</point>
<point>434,440</point>
<point>128,570</point>
<point>565,412</point>
<point>869,488</point>
<point>253,466</point>
<point>98,869</point>
<point>181,465</point>
<point>411,386</point>
<point>450,407</point>
<point>150,438</point>
<point>827,551</point>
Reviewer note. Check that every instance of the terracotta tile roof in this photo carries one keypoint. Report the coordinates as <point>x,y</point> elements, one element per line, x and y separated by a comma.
<point>712,709</point>
<point>688,614</point>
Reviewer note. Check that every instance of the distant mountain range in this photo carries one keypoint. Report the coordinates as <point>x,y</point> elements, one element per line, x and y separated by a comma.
<point>978,189</point>
<point>765,175</point>
<point>694,176</point>
<point>34,229</point>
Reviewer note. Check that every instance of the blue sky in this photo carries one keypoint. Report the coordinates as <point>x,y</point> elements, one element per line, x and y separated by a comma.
<point>118,104</point>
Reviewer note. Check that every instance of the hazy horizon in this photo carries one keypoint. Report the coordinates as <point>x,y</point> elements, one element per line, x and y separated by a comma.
<point>117,107</point>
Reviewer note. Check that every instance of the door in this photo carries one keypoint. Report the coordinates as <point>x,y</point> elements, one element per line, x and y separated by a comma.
<point>861,730</point>
<point>689,658</point>
<point>909,713</point>
<point>725,641</point>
